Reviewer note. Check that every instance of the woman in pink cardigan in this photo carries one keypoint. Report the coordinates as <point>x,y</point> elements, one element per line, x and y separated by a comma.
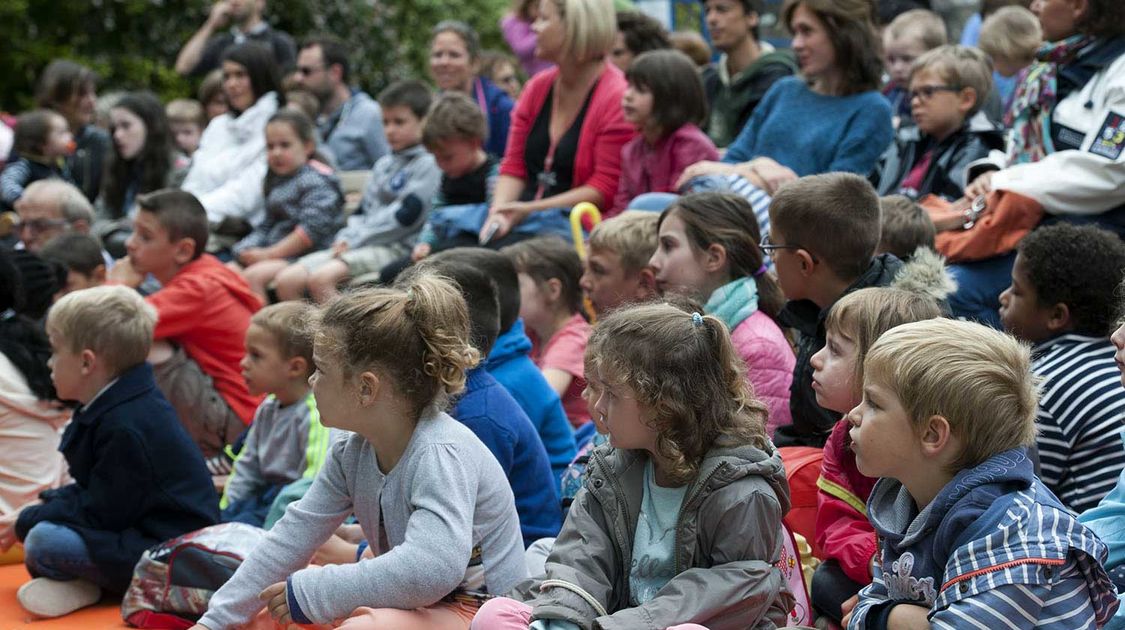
<point>708,249</point>
<point>564,145</point>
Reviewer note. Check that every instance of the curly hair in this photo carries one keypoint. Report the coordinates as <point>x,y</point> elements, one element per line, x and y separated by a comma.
<point>686,371</point>
<point>418,333</point>
<point>1076,265</point>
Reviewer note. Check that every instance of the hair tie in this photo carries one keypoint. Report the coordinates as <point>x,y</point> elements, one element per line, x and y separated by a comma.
<point>761,271</point>
<point>696,319</point>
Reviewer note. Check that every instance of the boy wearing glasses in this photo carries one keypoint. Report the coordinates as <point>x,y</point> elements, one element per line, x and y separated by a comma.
<point>823,233</point>
<point>948,87</point>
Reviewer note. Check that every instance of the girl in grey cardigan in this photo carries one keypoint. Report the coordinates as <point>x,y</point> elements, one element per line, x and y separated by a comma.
<point>433,502</point>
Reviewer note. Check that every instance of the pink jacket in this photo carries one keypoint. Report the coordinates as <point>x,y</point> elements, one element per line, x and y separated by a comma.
<point>769,364</point>
<point>655,169</point>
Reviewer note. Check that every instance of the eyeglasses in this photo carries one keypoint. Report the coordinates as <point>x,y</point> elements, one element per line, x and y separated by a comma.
<point>41,225</point>
<point>926,92</point>
<point>307,71</point>
<point>768,246</point>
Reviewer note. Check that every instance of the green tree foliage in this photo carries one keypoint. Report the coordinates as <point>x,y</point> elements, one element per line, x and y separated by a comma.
<point>133,44</point>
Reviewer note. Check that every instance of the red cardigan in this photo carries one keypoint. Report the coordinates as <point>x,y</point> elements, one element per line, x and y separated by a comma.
<point>597,162</point>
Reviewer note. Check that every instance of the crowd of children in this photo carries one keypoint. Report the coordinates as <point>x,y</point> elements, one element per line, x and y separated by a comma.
<point>446,411</point>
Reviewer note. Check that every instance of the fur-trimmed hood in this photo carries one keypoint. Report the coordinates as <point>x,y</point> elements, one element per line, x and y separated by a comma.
<point>925,272</point>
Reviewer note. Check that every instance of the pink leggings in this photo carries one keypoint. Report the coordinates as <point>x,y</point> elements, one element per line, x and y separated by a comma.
<point>440,616</point>
<point>508,614</point>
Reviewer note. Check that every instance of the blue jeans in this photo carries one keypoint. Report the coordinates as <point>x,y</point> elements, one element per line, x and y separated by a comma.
<point>979,285</point>
<point>58,552</point>
<point>653,202</point>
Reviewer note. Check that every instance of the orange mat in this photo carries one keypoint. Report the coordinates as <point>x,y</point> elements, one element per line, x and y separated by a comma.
<point>12,617</point>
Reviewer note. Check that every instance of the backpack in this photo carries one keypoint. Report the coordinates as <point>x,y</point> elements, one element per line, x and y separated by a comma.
<point>174,581</point>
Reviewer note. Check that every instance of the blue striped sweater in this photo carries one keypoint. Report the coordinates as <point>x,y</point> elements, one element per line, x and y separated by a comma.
<point>995,549</point>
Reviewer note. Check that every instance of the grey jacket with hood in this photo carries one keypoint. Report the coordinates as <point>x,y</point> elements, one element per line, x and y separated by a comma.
<point>728,539</point>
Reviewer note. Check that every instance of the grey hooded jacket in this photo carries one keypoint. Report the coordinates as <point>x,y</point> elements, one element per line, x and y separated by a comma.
<point>728,539</point>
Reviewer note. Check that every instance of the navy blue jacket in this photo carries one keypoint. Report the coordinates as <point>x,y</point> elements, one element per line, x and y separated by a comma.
<point>138,478</point>
<point>499,117</point>
<point>495,417</point>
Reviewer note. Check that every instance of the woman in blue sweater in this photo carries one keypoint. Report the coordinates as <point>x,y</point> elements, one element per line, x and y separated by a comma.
<point>831,118</point>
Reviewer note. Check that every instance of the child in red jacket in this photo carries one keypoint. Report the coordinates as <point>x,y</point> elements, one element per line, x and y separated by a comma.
<point>843,532</point>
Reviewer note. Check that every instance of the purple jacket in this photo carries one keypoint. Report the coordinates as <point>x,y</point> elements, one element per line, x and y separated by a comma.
<point>521,39</point>
<point>769,364</point>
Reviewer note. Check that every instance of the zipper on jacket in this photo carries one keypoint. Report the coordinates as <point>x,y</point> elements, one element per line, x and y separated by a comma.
<point>1001,567</point>
<point>625,546</point>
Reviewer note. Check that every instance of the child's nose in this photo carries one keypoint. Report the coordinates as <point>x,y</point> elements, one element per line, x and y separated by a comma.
<point>854,418</point>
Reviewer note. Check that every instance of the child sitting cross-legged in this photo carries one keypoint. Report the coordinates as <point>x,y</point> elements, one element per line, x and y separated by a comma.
<point>843,533</point>
<point>679,522</point>
<point>286,440</point>
<point>138,479</point>
<point>968,536</point>
<point>429,497</point>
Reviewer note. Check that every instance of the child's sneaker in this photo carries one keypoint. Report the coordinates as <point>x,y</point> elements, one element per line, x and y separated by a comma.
<point>44,597</point>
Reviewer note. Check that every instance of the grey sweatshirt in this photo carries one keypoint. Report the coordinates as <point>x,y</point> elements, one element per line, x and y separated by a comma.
<point>445,496</point>
<point>397,200</point>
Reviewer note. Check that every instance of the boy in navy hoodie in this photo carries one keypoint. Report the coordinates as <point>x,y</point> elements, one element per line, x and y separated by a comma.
<point>495,417</point>
<point>968,536</point>
<point>509,361</point>
<point>138,478</point>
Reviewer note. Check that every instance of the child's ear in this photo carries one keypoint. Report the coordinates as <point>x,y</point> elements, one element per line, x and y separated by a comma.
<point>936,436</point>
<point>369,384</point>
<point>184,250</point>
<point>553,288</point>
<point>806,262</point>
<point>297,367</point>
<point>1058,319</point>
<point>714,258</point>
<point>646,284</point>
<point>966,100</point>
<point>97,276</point>
<point>89,361</point>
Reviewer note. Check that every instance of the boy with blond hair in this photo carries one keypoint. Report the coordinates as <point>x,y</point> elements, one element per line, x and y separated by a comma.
<point>968,536</point>
<point>286,441</point>
<point>1010,37</point>
<point>616,269</point>
<point>910,35</point>
<point>186,121</point>
<point>138,479</point>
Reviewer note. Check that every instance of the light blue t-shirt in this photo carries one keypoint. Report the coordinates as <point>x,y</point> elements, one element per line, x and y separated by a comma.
<point>654,543</point>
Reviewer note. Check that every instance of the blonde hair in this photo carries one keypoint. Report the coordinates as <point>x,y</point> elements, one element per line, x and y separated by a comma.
<point>924,25</point>
<point>289,324</point>
<point>864,315</point>
<point>977,378</point>
<point>687,373</point>
<point>186,110</point>
<point>418,333</point>
<point>114,322</point>
<point>961,67</point>
<point>632,235</point>
<point>1011,33</point>
<point>590,27</point>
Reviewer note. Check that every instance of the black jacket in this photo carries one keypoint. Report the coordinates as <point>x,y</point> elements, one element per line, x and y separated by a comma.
<point>946,175</point>
<point>138,478</point>
<point>812,423</point>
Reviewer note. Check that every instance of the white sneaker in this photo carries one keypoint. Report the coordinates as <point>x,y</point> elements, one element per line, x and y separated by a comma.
<point>45,597</point>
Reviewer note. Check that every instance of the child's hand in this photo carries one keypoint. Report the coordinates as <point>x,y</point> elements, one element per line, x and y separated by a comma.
<point>253,255</point>
<point>335,550</point>
<point>339,248</point>
<point>124,273</point>
<point>421,250</point>
<point>909,617</point>
<point>277,602</point>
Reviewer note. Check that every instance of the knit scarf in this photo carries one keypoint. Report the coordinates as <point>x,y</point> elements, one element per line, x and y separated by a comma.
<point>734,302</point>
<point>1029,117</point>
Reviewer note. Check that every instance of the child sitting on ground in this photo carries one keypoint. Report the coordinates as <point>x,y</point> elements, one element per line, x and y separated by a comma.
<point>824,229</point>
<point>844,536</point>
<point>286,441</point>
<point>665,102</point>
<point>551,307</point>
<point>616,270</point>
<point>203,311</point>
<point>81,254</point>
<point>454,132</point>
<point>186,120</point>
<point>967,534</point>
<point>432,501</point>
<point>138,479</point>
<point>910,35</point>
<point>1059,301</point>
<point>709,249</point>
<point>42,141</point>
<point>394,206</point>
<point>304,204</point>
<point>651,540</point>
<point>930,155</point>
<point>905,226</point>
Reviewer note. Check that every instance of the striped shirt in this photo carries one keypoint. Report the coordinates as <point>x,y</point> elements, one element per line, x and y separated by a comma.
<point>1081,412</point>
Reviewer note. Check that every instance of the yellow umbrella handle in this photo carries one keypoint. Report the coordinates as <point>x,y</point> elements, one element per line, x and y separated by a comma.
<point>576,215</point>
